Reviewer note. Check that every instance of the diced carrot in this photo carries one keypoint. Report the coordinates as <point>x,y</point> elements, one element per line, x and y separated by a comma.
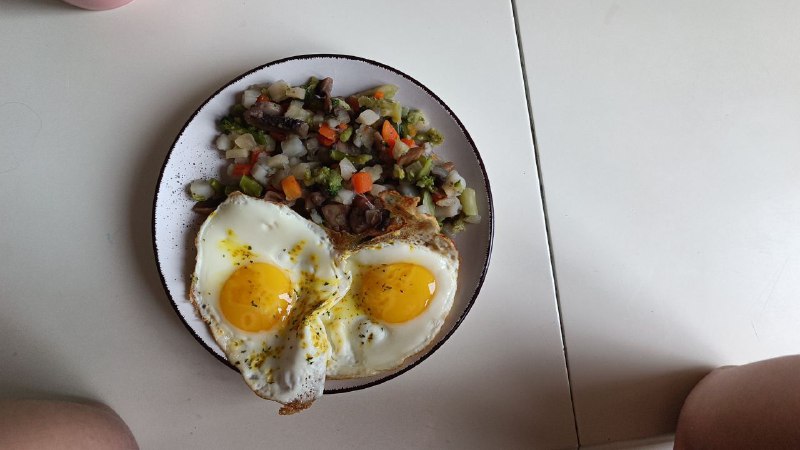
<point>362,182</point>
<point>389,134</point>
<point>327,132</point>
<point>291,188</point>
<point>262,99</point>
<point>409,142</point>
<point>325,141</point>
<point>342,126</point>
<point>278,135</point>
<point>378,95</point>
<point>242,169</point>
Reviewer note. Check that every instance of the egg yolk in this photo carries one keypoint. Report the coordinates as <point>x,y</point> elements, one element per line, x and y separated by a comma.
<point>396,293</point>
<point>256,297</point>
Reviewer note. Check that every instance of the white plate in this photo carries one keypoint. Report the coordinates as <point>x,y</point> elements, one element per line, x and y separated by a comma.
<point>193,156</point>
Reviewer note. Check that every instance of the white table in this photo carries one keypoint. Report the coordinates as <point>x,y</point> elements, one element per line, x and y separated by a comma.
<point>669,149</point>
<point>89,105</point>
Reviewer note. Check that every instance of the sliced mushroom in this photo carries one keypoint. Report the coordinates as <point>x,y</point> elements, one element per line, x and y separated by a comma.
<point>335,215</point>
<point>258,118</point>
<point>365,215</point>
<point>410,156</point>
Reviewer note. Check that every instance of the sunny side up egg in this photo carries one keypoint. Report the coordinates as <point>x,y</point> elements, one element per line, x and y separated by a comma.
<point>263,278</point>
<point>401,292</point>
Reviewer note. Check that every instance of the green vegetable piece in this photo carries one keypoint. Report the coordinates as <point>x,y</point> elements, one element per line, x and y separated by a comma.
<point>398,172</point>
<point>416,117</point>
<point>412,170</point>
<point>336,155</point>
<point>330,180</point>
<point>337,102</point>
<point>455,227</point>
<point>395,111</point>
<point>389,90</point>
<point>427,164</point>
<point>260,137</point>
<point>425,182</point>
<point>400,148</point>
<point>250,186</point>
<point>360,160</point>
<point>345,135</point>
<point>238,109</point>
<point>427,202</point>
<point>432,135</point>
<point>218,187</point>
<point>368,102</point>
<point>311,83</point>
<point>230,189</point>
<point>435,137</point>
<point>468,204</point>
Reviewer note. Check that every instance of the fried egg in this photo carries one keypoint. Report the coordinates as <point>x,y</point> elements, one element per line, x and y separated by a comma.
<point>263,278</point>
<point>402,290</point>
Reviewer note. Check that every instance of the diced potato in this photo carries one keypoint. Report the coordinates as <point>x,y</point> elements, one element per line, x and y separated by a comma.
<point>246,141</point>
<point>249,97</point>
<point>277,91</point>
<point>223,142</point>
<point>368,117</point>
<point>237,152</point>
<point>296,92</point>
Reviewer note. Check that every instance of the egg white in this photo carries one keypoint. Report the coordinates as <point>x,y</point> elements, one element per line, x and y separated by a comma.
<point>287,364</point>
<point>362,345</point>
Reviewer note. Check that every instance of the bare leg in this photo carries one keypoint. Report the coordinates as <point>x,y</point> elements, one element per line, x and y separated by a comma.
<point>40,424</point>
<point>753,406</point>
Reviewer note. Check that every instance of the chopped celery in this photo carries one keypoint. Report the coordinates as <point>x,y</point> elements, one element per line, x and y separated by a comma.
<point>400,148</point>
<point>218,187</point>
<point>427,164</point>
<point>337,155</point>
<point>427,202</point>
<point>250,186</point>
<point>360,160</point>
<point>412,170</point>
<point>345,136</point>
<point>398,172</point>
<point>468,204</point>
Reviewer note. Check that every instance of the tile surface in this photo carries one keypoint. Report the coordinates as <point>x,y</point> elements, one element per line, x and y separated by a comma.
<point>668,143</point>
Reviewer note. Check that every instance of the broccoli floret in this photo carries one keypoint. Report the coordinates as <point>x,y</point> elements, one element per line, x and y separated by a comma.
<point>432,135</point>
<point>416,117</point>
<point>229,124</point>
<point>425,182</point>
<point>398,172</point>
<point>337,102</point>
<point>330,180</point>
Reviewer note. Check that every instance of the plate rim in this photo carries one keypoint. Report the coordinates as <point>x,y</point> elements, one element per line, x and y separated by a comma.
<point>474,148</point>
